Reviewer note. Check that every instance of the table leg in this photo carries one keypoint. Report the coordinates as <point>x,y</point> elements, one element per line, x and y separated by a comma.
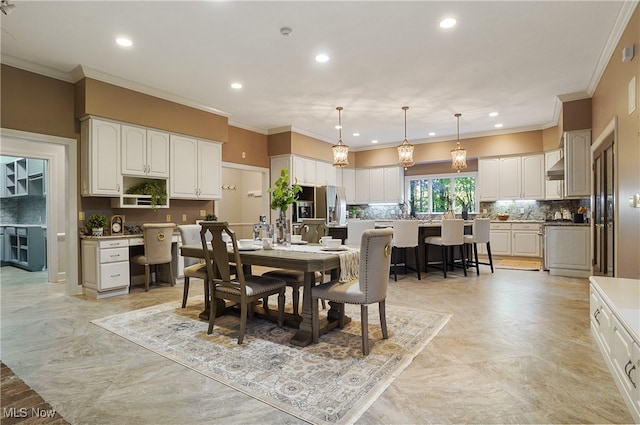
<point>303,336</point>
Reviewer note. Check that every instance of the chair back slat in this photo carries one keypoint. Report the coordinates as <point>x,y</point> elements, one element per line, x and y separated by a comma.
<point>218,266</point>
<point>375,260</point>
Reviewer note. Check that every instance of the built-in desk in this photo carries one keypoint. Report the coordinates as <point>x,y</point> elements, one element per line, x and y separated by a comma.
<point>106,269</point>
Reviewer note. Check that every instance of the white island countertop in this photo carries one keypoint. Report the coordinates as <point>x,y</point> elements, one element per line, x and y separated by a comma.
<point>625,295</point>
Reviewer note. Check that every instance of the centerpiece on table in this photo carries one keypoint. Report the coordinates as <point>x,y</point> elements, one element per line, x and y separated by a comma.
<point>283,194</point>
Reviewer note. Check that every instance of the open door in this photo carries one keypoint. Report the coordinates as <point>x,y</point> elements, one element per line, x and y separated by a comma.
<point>604,209</point>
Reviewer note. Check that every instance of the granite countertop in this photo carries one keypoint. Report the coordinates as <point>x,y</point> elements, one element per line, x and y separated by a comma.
<point>564,223</point>
<point>44,226</point>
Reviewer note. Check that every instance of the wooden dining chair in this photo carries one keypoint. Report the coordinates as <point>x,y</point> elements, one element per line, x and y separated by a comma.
<point>371,286</point>
<point>245,290</point>
<point>157,250</point>
<point>313,229</point>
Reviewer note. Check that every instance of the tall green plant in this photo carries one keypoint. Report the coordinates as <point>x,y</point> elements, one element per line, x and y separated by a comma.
<point>283,193</point>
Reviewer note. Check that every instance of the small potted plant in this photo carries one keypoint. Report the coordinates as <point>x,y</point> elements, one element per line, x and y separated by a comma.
<point>210,217</point>
<point>97,223</point>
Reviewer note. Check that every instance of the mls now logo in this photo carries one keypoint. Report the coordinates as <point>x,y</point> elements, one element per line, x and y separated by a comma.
<point>23,412</point>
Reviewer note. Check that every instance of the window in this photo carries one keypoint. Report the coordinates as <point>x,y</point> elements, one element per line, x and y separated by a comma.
<point>436,194</point>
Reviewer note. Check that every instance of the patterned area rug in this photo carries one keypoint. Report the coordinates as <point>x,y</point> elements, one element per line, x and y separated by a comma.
<point>325,383</point>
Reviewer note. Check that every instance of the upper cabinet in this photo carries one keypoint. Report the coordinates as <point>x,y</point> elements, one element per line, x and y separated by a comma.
<point>22,177</point>
<point>145,152</point>
<point>305,171</point>
<point>349,184</point>
<point>514,177</point>
<point>196,168</point>
<point>378,185</point>
<point>100,158</point>
<point>577,145</point>
<point>554,188</point>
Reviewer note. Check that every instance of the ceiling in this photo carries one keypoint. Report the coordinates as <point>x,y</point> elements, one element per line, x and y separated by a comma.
<point>510,57</point>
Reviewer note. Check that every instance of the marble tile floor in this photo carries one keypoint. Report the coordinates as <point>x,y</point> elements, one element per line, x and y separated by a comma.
<point>518,349</point>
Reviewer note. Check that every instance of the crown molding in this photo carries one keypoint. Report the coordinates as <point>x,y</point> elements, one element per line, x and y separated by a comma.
<point>626,11</point>
<point>36,68</point>
<point>248,127</point>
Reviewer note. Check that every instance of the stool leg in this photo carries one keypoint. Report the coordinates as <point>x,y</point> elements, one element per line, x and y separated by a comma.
<point>417,254</point>
<point>444,260</point>
<point>490,258</point>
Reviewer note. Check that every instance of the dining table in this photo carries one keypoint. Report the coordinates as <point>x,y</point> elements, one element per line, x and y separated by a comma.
<point>287,257</point>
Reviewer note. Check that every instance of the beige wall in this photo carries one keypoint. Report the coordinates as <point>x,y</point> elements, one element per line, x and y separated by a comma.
<point>576,115</point>
<point>609,103</point>
<point>439,168</point>
<point>254,146</point>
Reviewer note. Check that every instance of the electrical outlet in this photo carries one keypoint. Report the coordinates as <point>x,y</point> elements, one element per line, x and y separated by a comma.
<point>168,218</point>
<point>521,210</point>
<point>184,217</point>
<point>203,213</point>
<point>244,155</point>
<point>484,211</point>
<point>81,215</point>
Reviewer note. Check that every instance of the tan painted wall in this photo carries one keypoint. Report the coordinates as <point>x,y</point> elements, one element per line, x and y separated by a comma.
<point>279,144</point>
<point>551,138</point>
<point>35,103</point>
<point>313,148</point>
<point>576,115</point>
<point>254,145</point>
<point>439,168</point>
<point>610,102</point>
<point>110,101</point>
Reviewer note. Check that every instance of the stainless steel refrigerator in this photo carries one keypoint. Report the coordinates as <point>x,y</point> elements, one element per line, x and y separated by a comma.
<point>331,203</point>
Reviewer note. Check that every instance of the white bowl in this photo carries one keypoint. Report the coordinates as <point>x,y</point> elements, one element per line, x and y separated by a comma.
<point>245,243</point>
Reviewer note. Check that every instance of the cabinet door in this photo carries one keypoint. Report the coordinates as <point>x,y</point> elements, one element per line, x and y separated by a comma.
<point>533,176</point>
<point>157,154</point>
<point>600,320</point>
<point>500,242</point>
<point>209,170</point>
<point>376,185</point>
<point>321,173</point>
<point>577,145</point>
<point>568,247</point>
<point>488,179</point>
<point>362,186</point>
<point>103,159</point>
<point>332,179</point>
<point>624,359</point>
<point>525,243</point>
<point>553,188</point>
<point>297,174</point>
<point>510,178</point>
<point>393,185</point>
<point>309,171</point>
<point>349,184</point>
<point>134,151</point>
<point>183,181</point>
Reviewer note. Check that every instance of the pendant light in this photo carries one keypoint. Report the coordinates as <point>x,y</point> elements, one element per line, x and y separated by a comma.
<point>340,151</point>
<point>405,150</point>
<point>458,155</point>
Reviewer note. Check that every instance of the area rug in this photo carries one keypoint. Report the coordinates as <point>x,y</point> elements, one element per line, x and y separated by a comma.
<point>527,265</point>
<point>325,383</point>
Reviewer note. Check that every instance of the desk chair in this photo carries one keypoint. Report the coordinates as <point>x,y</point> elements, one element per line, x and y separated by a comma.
<point>405,235</point>
<point>157,250</point>
<point>481,234</point>
<point>243,290</point>
<point>451,235</point>
<point>355,229</point>
<point>371,286</point>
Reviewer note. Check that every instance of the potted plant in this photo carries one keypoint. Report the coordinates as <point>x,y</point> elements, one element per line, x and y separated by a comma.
<point>97,223</point>
<point>210,217</point>
<point>283,194</point>
<point>155,188</point>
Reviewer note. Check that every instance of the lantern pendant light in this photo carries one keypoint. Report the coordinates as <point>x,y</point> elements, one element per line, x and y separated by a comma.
<point>405,150</point>
<point>340,151</point>
<point>458,155</point>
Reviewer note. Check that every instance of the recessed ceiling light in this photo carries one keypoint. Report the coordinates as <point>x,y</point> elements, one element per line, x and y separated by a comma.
<point>356,134</point>
<point>447,23</point>
<point>124,42</point>
<point>498,126</point>
<point>338,127</point>
<point>236,86</point>
<point>322,58</point>
<point>374,141</point>
<point>432,133</point>
<point>493,114</point>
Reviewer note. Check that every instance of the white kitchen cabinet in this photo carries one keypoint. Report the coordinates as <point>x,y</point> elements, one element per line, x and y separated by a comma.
<point>331,173</point>
<point>325,174</point>
<point>615,325</point>
<point>393,184</point>
<point>196,168</point>
<point>533,176</point>
<point>567,250</point>
<point>100,158</point>
<point>304,171</point>
<point>145,152</point>
<point>363,190</point>
<point>488,179</point>
<point>577,160</point>
<point>553,188</point>
<point>510,178</point>
<point>105,267</point>
<point>500,239</point>
<point>349,184</point>
<point>376,185</point>
<point>525,240</point>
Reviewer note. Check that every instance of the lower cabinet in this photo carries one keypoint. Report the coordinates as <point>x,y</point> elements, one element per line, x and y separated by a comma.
<point>615,309</point>
<point>567,250</point>
<point>525,240</point>
<point>105,267</point>
<point>25,247</point>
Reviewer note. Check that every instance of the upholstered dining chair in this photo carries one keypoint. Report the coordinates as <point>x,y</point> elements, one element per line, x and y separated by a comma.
<point>193,267</point>
<point>371,286</point>
<point>481,234</point>
<point>244,290</point>
<point>157,250</point>
<point>355,229</point>
<point>451,235</point>
<point>313,229</point>
<point>405,235</point>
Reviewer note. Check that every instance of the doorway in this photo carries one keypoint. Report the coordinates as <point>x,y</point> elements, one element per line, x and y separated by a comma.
<point>604,207</point>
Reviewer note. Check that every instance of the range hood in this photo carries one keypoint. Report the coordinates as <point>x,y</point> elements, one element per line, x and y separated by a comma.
<point>556,172</point>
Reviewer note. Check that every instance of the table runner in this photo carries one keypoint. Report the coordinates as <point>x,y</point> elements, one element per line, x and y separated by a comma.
<point>349,259</point>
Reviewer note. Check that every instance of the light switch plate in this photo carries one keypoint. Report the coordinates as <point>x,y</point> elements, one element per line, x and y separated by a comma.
<point>203,213</point>
<point>184,217</point>
<point>80,215</point>
<point>168,218</point>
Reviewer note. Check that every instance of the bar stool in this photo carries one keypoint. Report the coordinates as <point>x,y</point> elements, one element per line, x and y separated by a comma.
<point>355,229</point>
<point>405,235</point>
<point>481,234</point>
<point>451,235</point>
